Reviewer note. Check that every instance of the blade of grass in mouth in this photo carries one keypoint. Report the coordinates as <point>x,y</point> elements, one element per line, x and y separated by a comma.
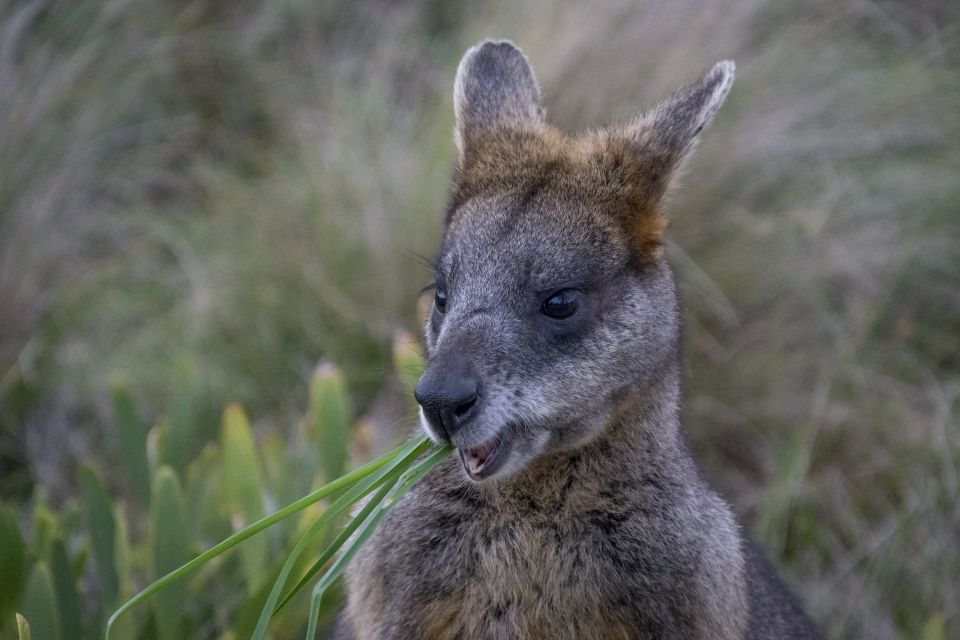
<point>421,444</point>
<point>387,476</point>
<point>411,477</point>
<point>334,546</point>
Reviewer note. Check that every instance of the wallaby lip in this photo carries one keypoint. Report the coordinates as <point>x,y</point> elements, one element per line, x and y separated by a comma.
<point>484,460</point>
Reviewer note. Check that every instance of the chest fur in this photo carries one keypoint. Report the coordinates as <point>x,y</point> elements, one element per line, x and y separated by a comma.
<point>534,582</point>
<point>471,570</point>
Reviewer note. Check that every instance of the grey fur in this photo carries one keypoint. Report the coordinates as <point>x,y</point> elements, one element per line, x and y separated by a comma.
<point>494,84</point>
<point>598,524</point>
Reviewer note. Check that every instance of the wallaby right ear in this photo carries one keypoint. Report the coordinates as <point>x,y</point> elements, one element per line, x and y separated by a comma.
<point>494,86</point>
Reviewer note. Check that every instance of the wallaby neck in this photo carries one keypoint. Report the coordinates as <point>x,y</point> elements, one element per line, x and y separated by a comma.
<point>642,440</point>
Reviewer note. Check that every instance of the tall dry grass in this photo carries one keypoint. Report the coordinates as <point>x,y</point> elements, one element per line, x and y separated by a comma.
<point>253,183</point>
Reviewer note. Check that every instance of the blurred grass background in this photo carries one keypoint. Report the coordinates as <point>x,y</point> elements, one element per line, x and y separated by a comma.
<point>230,192</point>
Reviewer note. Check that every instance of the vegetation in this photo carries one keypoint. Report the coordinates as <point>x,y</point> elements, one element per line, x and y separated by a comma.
<point>220,491</point>
<point>199,201</point>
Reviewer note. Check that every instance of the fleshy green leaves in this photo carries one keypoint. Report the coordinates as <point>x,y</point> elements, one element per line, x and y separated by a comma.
<point>168,530</point>
<point>64,588</point>
<point>132,437</point>
<point>40,605</point>
<point>12,562</point>
<point>242,490</point>
<point>183,416</point>
<point>23,628</point>
<point>329,422</point>
<point>99,517</point>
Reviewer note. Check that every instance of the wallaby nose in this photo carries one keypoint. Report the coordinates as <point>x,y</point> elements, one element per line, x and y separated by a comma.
<point>448,400</point>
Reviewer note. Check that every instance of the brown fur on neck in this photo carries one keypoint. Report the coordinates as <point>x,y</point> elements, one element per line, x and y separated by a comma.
<point>642,438</point>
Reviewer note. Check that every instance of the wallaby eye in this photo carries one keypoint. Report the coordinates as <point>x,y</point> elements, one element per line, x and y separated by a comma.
<point>561,304</point>
<point>440,300</point>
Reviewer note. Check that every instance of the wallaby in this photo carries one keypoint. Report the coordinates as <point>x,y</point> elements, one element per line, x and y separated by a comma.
<point>574,508</point>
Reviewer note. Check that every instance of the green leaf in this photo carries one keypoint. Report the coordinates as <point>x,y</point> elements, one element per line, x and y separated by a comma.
<point>64,587</point>
<point>39,604</point>
<point>23,628</point>
<point>132,436</point>
<point>170,549</point>
<point>13,561</point>
<point>329,422</point>
<point>242,490</point>
<point>183,416</point>
<point>98,515</point>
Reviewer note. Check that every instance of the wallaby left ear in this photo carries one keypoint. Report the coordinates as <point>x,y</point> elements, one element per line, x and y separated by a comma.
<point>664,135</point>
<point>495,86</point>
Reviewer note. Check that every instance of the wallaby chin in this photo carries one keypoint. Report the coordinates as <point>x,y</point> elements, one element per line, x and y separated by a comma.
<point>573,508</point>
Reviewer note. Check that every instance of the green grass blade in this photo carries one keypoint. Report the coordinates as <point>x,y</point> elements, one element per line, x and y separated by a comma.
<point>334,546</point>
<point>257,527</point>
<point>386,476</point>
<point>270,607</point>
<point>410,478</point>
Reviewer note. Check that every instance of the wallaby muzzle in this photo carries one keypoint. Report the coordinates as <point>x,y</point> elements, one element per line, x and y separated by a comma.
<point>448,392</point>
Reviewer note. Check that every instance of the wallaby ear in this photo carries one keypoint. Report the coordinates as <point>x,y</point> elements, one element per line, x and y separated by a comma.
<point>494,86</point>
<point>667,133</point>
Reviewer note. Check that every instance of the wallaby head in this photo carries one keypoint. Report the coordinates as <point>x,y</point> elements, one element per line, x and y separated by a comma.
<point>553,301</point>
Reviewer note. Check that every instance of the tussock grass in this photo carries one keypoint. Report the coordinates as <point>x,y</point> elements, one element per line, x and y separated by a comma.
<point>253,183</point>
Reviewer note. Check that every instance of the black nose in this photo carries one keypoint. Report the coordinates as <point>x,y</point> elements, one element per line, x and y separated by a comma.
<point>448,400</point>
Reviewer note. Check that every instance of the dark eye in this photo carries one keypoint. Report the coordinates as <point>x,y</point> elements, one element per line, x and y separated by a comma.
<point>440,300</point>
<point>562,304</point>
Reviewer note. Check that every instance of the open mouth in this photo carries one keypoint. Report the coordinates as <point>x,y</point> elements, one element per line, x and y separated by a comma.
<point>486,458</point>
